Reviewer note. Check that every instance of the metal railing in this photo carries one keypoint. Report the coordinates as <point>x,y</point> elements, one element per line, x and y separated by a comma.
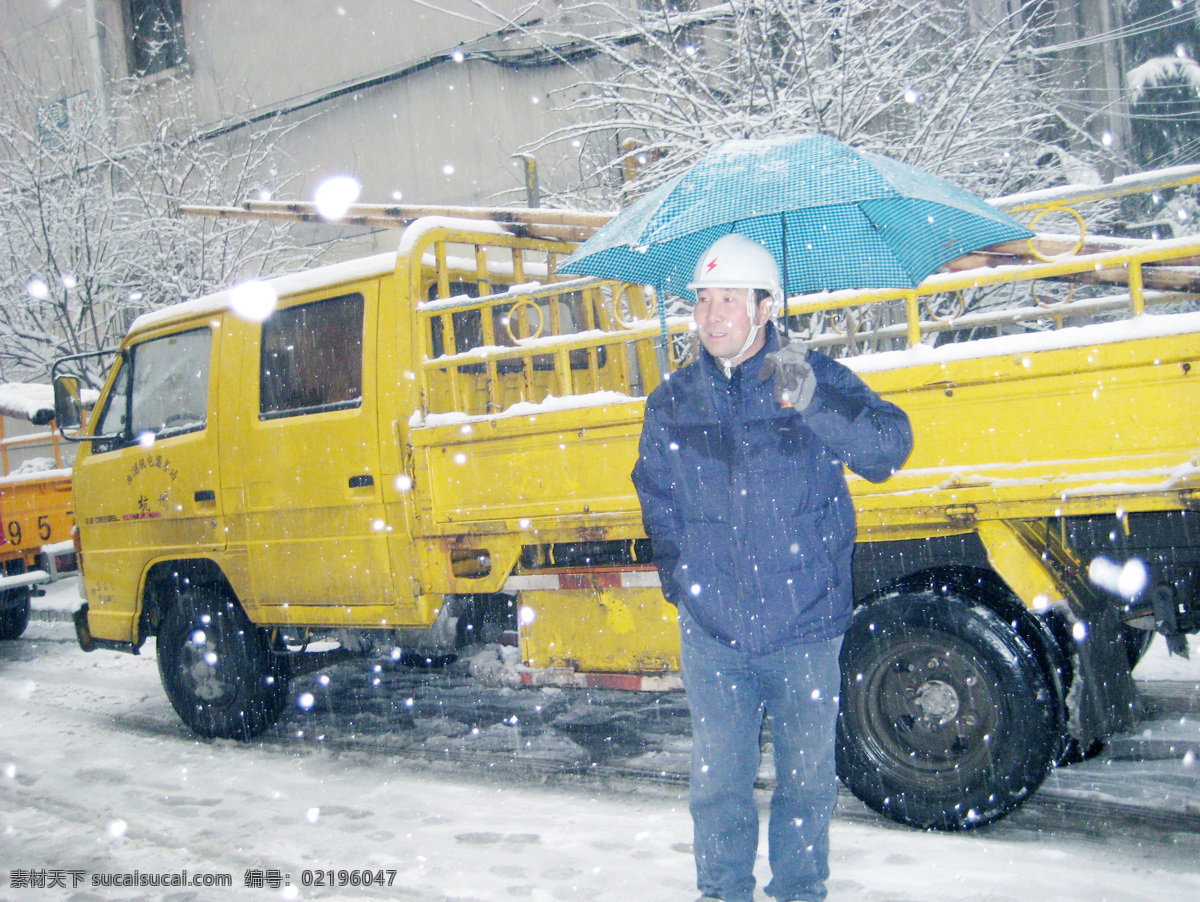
<point>519,341</point>
<point>48,440</point>
<point>1153,273</point>
<point>586,335</point>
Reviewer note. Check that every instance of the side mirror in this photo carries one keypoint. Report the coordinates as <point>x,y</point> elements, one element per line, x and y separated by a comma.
<point>71,396</point>
<point>68,402</point>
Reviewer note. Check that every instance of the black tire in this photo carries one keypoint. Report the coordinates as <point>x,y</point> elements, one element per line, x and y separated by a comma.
<point>217,667</point>
<point>14,617</point>
<point>948,717</point>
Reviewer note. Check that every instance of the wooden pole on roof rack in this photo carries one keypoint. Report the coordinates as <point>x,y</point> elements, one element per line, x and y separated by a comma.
<point>1122,186</point>
<point>539,222</point>
<point>577,225</point>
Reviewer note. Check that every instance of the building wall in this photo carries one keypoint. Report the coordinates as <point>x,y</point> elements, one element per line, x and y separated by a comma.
<point>47,45</point>
<point>369,86</point>
<point>432,130</point>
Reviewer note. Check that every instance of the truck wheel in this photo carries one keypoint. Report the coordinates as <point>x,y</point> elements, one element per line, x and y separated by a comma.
<point>948,719</point>
<point>14,617</point>
<point>217,667</point>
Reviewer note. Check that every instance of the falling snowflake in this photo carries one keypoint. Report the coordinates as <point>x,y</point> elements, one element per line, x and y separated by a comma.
<point>335,196</point>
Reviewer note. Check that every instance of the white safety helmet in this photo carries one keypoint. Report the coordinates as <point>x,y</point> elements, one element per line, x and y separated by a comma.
<point>736,261</point>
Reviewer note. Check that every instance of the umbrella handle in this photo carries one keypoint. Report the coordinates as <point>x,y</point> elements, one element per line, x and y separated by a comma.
<point>783,276</point>
<point>664,347</point>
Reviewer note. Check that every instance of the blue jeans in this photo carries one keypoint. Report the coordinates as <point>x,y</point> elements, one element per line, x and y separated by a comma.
<point>727,692</point>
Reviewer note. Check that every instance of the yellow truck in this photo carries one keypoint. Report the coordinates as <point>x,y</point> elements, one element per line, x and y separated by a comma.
<point>35,502</point>
<point>424,445</point>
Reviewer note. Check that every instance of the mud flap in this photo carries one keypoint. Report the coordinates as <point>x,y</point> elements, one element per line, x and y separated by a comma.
<point>1047,575</point>
<point>1102,698</point>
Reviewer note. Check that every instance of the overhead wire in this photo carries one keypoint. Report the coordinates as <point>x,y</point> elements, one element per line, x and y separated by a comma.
<point>542,54</point>
<point>1156,22</point>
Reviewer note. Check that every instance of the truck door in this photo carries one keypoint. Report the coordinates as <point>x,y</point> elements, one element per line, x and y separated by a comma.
<point>305,471</point>
<point>149,480</point>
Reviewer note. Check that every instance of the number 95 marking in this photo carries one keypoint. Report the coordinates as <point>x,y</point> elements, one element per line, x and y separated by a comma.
<point>15,534</point>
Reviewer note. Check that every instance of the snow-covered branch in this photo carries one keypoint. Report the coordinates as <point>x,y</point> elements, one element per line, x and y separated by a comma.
<point>938,85</point>
<point>90,230</point>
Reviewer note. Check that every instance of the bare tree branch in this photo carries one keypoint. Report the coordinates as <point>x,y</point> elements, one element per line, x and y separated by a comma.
<point>90,229</point>
<point>936,85</point>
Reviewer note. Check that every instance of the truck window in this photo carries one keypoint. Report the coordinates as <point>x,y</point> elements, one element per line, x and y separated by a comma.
<point>169,379</point>
<point>312,358</point>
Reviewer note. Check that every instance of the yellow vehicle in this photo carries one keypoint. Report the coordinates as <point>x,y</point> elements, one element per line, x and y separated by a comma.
<point>440,439</point>
<point>35,502</point>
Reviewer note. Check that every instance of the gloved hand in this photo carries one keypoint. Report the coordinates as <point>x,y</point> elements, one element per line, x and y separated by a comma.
<point>795,383</point>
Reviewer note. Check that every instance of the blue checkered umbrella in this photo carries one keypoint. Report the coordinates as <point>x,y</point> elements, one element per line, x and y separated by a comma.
<point>834,217</point>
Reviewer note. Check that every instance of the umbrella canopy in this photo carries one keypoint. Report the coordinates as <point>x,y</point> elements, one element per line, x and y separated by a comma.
<point>834,217</point>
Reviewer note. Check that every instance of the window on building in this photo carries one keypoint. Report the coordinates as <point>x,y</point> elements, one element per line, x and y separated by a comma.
<point>311,358</point>
<point>155,30</point>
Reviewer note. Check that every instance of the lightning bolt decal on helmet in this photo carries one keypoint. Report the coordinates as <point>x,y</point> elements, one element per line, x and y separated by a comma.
<point>736,261</point>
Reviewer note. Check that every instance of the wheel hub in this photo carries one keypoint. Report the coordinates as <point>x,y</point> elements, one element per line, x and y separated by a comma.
<point>932,711</point>
<point>938,701</point>
<point>200,665</point>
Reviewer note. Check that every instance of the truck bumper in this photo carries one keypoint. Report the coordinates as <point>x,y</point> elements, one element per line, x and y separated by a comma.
<point>28,578</point>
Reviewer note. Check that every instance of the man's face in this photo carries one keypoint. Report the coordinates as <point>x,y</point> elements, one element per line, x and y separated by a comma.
<point>723,321</point>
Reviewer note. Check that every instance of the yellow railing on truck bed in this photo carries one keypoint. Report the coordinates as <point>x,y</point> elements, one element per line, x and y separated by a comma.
<point>1006,426</point>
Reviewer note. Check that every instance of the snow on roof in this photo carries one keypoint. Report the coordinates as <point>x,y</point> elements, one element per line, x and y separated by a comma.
<point>345,271</point>
<point>1145,326</point>
<point>36,471</point>
<point>283,286</point>
<point>419,227</point>
<point>1159,71</point>
<point>32,402</point>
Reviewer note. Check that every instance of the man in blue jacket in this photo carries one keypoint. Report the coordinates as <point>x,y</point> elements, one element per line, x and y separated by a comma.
<point>744,498</point>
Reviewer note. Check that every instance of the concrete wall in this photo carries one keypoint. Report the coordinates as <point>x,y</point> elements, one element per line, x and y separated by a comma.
<point>432,130</point>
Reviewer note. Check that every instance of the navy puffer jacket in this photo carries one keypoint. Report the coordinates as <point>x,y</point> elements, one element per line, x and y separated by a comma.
<point>746,503</point>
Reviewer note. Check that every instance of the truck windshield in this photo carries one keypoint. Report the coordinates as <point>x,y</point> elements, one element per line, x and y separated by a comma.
<point>169,379</point>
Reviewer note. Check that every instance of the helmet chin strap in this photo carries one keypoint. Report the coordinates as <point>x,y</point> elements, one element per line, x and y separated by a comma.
<point>755,328</point>
<point>727,362</point>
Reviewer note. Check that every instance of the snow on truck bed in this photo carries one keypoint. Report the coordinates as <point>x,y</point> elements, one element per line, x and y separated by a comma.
<point>1144,326</point>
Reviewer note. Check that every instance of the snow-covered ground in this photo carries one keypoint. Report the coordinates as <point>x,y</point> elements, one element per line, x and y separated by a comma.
<point>99,778</point>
